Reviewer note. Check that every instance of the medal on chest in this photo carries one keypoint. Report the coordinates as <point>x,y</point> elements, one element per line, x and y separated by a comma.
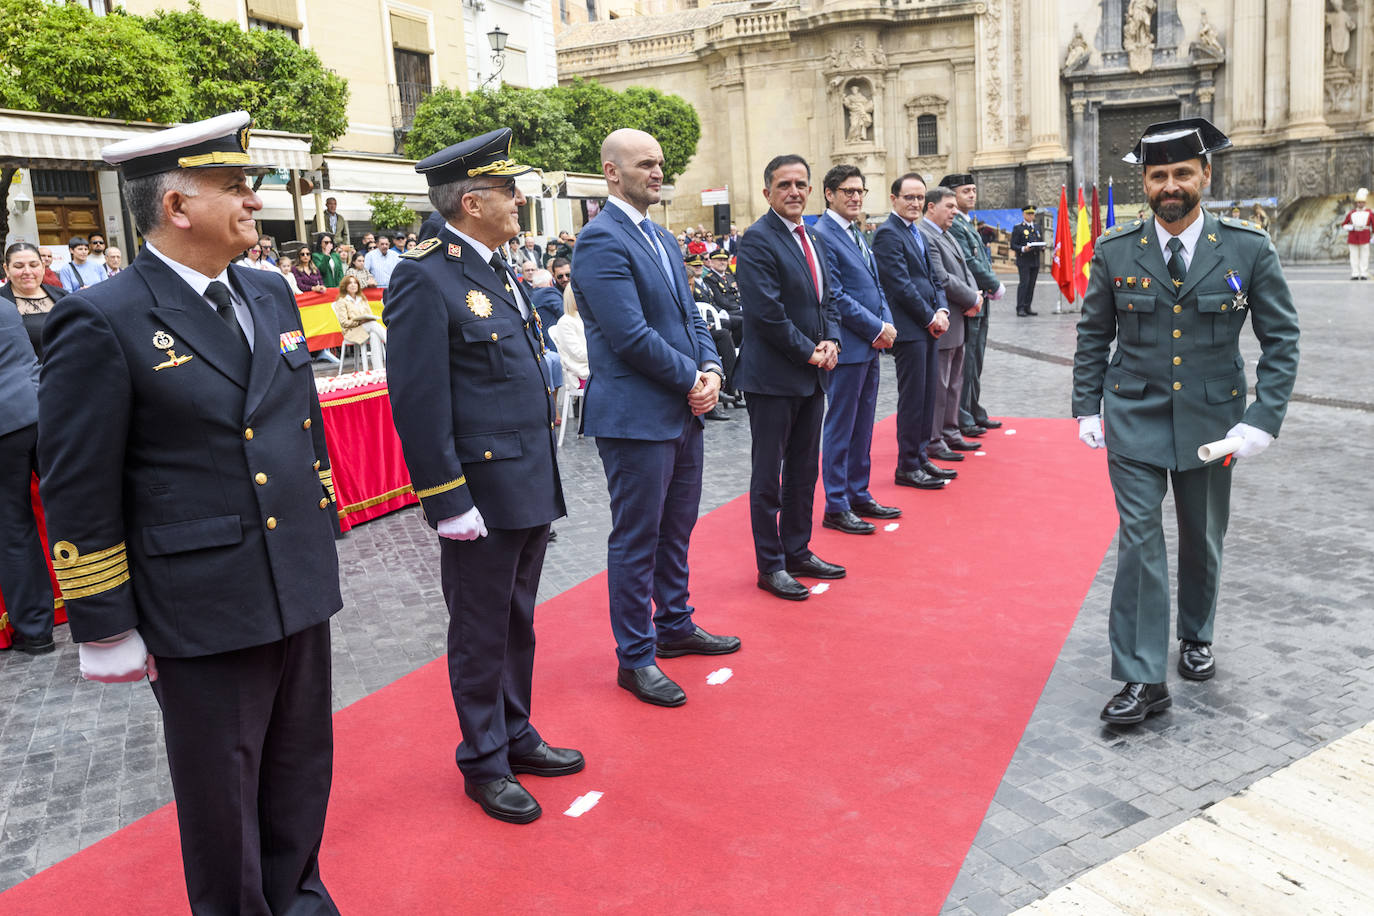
<point>1240,301</point>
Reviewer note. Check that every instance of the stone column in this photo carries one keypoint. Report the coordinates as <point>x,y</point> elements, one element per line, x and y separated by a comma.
<point>1046,96</point>
<point>1245,60</point>
<point>1306,69</point>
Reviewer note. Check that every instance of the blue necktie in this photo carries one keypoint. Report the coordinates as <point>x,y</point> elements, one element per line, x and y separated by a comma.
<point>921,244</point>
<point>648,227</point>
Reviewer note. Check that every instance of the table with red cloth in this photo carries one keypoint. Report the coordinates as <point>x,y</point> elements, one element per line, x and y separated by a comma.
<point>59,610</point>
<point>370,474</point>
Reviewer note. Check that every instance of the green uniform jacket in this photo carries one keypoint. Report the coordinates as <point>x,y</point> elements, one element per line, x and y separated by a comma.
<point>1176,379</point>
<point>975,257</point>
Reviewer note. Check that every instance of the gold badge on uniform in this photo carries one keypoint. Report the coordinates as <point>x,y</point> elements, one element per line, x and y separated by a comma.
<point>162,340</point>
<point>479,303</point>
<point>455,251</point>
<point>1130,282</point>
<point>1144,282</point>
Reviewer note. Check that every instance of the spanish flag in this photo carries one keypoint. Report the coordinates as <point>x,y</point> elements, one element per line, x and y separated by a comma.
<point>1082,247</point>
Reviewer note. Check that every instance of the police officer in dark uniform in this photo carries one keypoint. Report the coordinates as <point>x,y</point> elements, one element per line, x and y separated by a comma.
<point>725,291</point>
<point>720,336</point>
<point>1027,243</point>
<point>191,513</point>
<point>473,403</point>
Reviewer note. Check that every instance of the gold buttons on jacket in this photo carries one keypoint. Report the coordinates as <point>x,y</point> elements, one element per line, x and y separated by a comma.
<point>271,522</point>
<point>260,477</point>
<point>494,337</point>
<point>1177,333</point>
<point>1177,308</point>
<point>306,424</point>
<point>487,454</point>
<point>1177,385</point>
<point>1178,360</point>
<point>324,502</point>
<point>248,433</point>
<point>1234,392</point>
<point>1223,306</point>
<point>1130,306</point>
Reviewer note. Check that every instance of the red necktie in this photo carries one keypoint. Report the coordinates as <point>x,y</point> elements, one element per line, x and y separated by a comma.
<point>810,260</point>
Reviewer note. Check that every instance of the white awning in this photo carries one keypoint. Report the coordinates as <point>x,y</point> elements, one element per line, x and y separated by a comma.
<point>54,141</point>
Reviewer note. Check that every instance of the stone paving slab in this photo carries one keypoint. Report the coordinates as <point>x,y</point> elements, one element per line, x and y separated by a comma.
<point>80,760</point>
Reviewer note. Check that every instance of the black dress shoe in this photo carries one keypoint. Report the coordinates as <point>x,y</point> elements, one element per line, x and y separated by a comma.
<point>919,479</point>
<point>873,509</point>
<point>651,685</point>
<point>973,432</point>
<point>553,535</point>
<point>505,799</point>
<point>944,454</point>
<point>548,761</point>
<point>717,412</point>
<point>31,645</point>
<point>939,473</point>
<point>698,642</point>
<point>784,586</point>
<point>847,522</point>
<point>1031,313</point>
<point>963,445</point>
<point>1135,702</point>
<point>990,423</point>
<point>815,568</point>
<point>1195,661</point>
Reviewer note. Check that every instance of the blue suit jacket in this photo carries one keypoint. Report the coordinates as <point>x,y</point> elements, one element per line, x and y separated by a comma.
<point>856,292</point>
<point>783,318</point>
<point>548,302</point>
<point>646,341</point>
<point>907,278</point>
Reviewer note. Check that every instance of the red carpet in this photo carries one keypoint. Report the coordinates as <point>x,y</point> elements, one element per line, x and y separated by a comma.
<point>844,768</point>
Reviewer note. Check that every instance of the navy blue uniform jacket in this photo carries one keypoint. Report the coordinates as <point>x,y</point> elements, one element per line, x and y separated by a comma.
<point>783,318</point>
<point>470,390</point>
<point>187,488</point>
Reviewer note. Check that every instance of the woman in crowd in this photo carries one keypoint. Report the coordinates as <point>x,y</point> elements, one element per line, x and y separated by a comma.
<point>327,260</point>
<point>359,322</point>
<point>358,268</point>
<point>32,298</point>
<point>253,260</point>
<point>345,252</point>
<point>570,336</point>
<point>81,272</point>
<point>308,278</point>
<point>288,272</point>
<point>23,571</point>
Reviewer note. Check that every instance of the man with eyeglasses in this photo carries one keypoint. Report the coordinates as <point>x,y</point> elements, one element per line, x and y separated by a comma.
<point>865,329</point>
<point>472,395</point>
<point>381,261</point>
<point>561,268</point>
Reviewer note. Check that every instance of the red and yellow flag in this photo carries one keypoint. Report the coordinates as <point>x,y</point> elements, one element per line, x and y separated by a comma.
<point>1062,268</point>
<point>1082,248</point>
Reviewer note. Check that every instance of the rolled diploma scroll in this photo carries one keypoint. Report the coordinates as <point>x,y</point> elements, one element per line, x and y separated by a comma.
<point>1219,449</point>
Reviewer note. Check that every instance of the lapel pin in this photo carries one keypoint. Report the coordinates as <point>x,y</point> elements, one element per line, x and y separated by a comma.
<point>172,361</point>
<point>1130,282</point>
<point>1144,240</point>
<point>1116,281</point>
<point>454,250</point>
<point>1211,236</point>
<point>162,340</point>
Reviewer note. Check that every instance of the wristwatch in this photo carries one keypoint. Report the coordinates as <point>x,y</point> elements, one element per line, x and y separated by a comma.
<point>718,371</point>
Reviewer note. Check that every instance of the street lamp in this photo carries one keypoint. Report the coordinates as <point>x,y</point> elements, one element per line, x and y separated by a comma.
<point>497,37</point>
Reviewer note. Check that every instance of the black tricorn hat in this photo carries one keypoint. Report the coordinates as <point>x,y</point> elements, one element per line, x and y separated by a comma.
<point>1177,141</point>
<point>957,180</point>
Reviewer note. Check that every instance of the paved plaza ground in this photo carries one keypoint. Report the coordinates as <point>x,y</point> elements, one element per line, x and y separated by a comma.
<point>1293,638</point>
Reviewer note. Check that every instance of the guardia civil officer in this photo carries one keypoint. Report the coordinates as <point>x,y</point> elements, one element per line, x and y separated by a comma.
<point>190,507</point>
<point>1174,293</point>
<point>473,403</point>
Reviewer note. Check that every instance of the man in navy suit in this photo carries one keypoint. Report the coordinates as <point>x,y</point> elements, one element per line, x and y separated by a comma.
<point>655,372</point>
<point>473,403</point>
<point>921,315</point>
<point>865,328</point>
<point>791,340</point>
<point>191,512</point>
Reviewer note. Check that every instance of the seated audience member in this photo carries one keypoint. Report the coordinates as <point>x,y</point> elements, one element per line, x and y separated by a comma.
<point>287,268</point>
<point>358,268</point>
<point>547,298</point>
<point>360,324</point>
<point>308,278</point>
<point>80,273</point>
<point>550,253</point>
<point>571,337</point>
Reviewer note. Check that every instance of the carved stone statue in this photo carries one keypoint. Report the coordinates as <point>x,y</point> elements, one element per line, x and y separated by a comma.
<point>1079,52</point>
<point>1340,24</point>
<point>859,108</point>
<point>1207,42</point>
<point>1136,36</point>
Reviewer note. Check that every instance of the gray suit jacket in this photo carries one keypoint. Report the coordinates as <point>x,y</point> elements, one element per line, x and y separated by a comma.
<point>961,290</point>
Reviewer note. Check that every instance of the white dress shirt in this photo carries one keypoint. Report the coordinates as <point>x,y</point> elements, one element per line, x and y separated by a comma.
<point>198,282</point>
<point>483,252</point>
<point>1189,237</point>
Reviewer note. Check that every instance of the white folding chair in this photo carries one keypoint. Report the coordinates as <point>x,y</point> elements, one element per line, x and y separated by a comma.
<point>570,392</point>
<point>711,315</point>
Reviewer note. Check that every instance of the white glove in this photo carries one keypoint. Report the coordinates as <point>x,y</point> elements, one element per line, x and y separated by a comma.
<point>1090,431</point>
<point>1001,291</point>
<point>117,659</point>
<point>466,527</point>
<point>1256,440</point>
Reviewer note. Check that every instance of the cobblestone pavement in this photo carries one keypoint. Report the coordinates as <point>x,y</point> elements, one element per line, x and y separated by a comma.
<point>80,760</point>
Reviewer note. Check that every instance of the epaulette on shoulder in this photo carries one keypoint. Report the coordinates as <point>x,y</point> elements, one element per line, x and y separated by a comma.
<point>428,246</point>
<point>1231,222</point>
<point>1120,230</point>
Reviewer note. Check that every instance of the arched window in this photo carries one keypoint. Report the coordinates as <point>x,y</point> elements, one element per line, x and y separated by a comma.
<point>927,137</point>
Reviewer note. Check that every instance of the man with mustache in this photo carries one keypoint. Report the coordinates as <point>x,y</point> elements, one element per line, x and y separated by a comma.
<point>1174,293</point>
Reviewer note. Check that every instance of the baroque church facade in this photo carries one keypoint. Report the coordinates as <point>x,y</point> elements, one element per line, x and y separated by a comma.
<point>1026,94</point>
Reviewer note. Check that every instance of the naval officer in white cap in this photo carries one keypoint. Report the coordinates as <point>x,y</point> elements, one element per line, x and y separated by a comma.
<point>191,514</point>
